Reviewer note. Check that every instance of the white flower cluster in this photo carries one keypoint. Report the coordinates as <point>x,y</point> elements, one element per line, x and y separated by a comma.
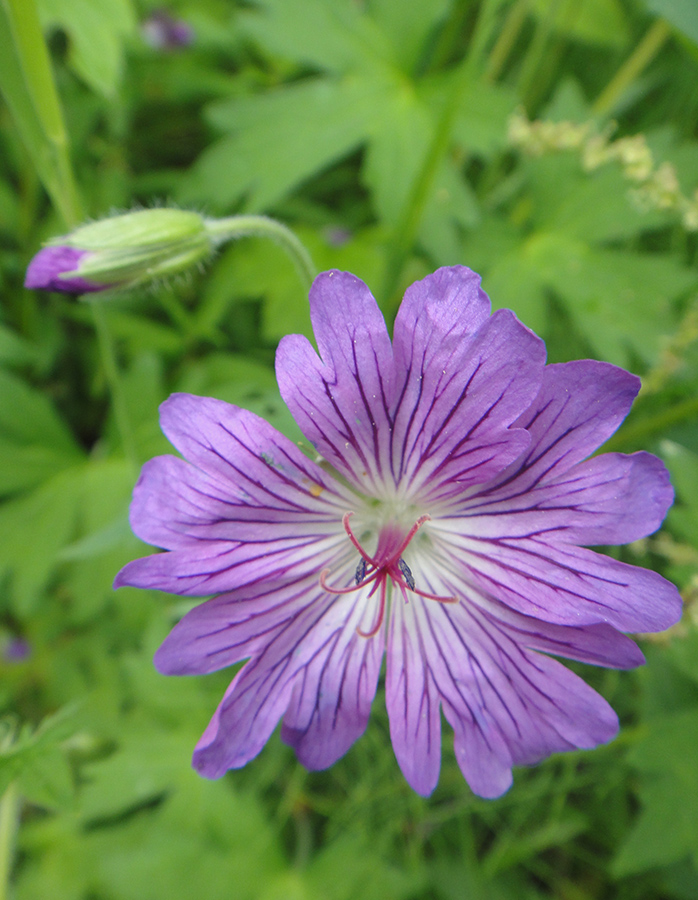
<point>656,186</point>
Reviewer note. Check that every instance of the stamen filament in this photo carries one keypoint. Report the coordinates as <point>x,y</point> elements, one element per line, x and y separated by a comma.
<point>413,530</point>
<point>350,590</point>
<point>428,596</point>
<point>381,612</point>
<point>377,572</point>
<point>345,522</point>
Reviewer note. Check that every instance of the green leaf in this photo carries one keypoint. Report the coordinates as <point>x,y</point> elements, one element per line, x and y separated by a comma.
<point>97,35</point>
<point>514,848</point>
<point>14,349</point>
<point>282,138</point>
<point>667,828</point>
<point>393,161</point>
<point>480,126</point>
<point>682,14</point>
<point>28,417</point>
<point>34,442</point>
<point>619,300</point>
<point>144,391</point>
<point>103,541</point>
<point>349,867</point>
<point>260,269</point>
<point>230,377</point>
<point>33,529</point>
<point>399,143</point>
<point>597,207</point>
<point>683,466</point>
<point>408,24</point>
<point>201,841</point>
<point>331,35</point>
<point>9,209</point>
<point>141,334</point>
<point>38,763</point>
<point>601,22</point>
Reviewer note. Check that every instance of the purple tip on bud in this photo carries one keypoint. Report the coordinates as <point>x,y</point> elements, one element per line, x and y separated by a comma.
<point>45,270</point>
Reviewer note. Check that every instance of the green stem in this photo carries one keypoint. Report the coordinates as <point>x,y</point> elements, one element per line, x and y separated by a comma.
<point>447,41</point>
<point>536,50</point>
<point>113,376</point>
<point>638,432</point>
<point>223,230</point>
<point>641,57</point>
<point>506,40</point>
<point>9,814</point>
<point>411,217</point>
<point>26,80</point>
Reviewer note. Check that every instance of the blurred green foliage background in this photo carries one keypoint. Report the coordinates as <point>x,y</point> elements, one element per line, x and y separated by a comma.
<point>552,145</point>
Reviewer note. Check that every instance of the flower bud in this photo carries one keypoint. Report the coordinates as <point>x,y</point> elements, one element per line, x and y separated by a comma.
<point>122,251</point>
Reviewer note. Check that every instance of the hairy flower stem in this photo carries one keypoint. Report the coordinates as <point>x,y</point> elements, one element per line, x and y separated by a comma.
<point>640,58</point>
<point>233,227</point>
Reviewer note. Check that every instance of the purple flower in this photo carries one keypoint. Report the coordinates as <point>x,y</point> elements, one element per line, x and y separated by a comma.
<point>163,32</point>
<point>16,650</point>
<point>55,268</point>
<point>444,527</point>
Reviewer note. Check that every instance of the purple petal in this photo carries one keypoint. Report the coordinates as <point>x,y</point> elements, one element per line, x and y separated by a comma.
<point>440,412</point>
<point>265,687</point>
<point>455,405</point>
<point>331,700</point>
<point>255,507</point>
<point>561,584</point>
<point>218,566</point>
<point>507,705</point>
<point>615,498</point>
<point>243,722</point>
<point>461,379</point>
<point>449,304</point>
<point>599,645</point>
<point>609,499</point>
<point>340,400</point>
<point>254,464</point>
<point>232,627</point>
<point>413,703</point>
<point>580,405</point>
<point>46,270</point>
<point>332,696</point>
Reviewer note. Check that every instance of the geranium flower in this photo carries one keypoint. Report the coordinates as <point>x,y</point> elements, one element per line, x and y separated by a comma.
<point>443,527</point>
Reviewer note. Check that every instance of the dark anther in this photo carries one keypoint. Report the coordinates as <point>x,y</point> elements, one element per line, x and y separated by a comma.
<point>405,569</point>
<point>360,571</point>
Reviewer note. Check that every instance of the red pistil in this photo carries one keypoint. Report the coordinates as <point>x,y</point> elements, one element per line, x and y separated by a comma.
<point>378,571</point>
